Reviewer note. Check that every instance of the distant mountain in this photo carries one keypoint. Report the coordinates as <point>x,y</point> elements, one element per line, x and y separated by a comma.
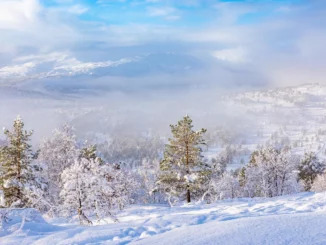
<point>57,65</point>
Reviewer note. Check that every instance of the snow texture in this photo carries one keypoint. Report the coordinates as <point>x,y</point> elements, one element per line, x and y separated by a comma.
<point>295,219</point>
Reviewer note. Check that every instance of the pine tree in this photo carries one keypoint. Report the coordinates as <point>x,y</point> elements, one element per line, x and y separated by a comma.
<point>90,152</point>
<point>310,167</point>
<point>18,176</point>
<point>242,176</point>
<point>182,169</point>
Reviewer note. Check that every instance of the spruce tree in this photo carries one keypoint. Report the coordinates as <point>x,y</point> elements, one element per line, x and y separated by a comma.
<point>16,158</point>
<point>182,169</point>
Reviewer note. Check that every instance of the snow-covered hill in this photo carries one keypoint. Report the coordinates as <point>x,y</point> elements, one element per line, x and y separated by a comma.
<point>288,220</point>
<point>58,65</point>
<point>292,116</point>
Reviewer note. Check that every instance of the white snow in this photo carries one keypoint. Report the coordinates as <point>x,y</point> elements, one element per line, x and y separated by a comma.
<point>295,219</point>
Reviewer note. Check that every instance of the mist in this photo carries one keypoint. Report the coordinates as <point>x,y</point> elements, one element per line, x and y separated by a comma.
<point>70,62</point>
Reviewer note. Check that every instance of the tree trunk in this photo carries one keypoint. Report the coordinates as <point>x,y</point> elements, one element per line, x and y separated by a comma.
<point>188,195</point>
<point>18,159</point>
<point>188,172</point>
<point>82,217</point>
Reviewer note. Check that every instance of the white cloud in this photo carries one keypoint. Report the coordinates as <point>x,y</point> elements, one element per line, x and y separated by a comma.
<point>77,9</point>
<point>16,70</point>
<point>235,55</point>
<point>16,14</point>
<point>160,11</point>
<point>229,12</point>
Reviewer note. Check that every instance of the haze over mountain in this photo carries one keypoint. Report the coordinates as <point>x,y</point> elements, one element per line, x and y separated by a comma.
<point>211,43</point>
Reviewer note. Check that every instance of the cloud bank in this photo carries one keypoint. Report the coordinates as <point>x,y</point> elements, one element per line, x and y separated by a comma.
<point>240,42</point>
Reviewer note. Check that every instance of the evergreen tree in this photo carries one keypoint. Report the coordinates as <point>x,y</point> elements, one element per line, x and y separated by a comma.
<point>242,176</point>
<point>90,153</point>
<point>18,180</point>
<point>182,169</point>
<point>310,167</point>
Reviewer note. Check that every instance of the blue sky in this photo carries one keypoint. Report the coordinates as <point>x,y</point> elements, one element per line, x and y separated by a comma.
<point>181,12</point>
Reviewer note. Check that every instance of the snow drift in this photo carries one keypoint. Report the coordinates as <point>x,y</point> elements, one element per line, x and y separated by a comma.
<point>294,219</point>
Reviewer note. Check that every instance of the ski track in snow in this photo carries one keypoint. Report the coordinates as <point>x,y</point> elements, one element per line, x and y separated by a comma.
<point>294,219</point>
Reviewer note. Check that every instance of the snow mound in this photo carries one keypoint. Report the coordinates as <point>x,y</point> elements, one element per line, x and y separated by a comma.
<point>17,223</point>
<point>292,229</point>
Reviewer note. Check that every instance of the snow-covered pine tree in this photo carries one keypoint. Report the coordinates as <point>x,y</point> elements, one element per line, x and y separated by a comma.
<point>57,153</point>
<point>309,168</point>
<point>19,178</point>
<point>183,173</point>
<point>90,152</point>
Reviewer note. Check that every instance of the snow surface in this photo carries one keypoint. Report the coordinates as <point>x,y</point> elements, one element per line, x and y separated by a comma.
<point>295,219</point>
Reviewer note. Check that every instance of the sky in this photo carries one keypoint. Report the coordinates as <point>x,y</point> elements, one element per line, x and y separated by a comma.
<point>272,43</point>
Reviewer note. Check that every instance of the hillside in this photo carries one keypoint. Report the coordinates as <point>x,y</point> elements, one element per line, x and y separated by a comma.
<point>289,220</point>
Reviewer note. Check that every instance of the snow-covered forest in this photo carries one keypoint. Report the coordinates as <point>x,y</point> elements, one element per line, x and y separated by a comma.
<point>65,176</point>
<point>85,178</point>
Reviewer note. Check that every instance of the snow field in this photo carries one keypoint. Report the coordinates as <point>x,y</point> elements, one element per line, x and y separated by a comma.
<point>294,219</point>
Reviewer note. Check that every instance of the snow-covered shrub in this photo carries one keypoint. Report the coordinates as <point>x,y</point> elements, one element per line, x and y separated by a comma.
<point>77,187</point>
<point>319,185</point>
<point>218,168</point>
<point>56,154</point>
<point>225,187</point>
<point>147,175</point>
<point>228,187</point>
<point>18,219</point>
<point>2,199</point>
<point>271,172</point>
<point>91,187</point>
